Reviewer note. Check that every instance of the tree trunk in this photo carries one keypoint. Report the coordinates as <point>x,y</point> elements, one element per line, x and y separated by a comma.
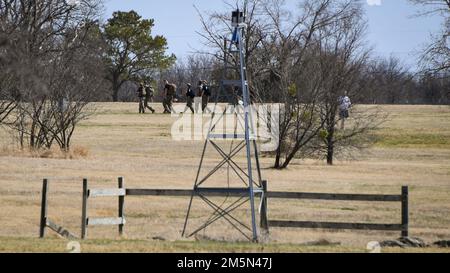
<point>330,150</point>
<point>330,154</point>
<point>289,158</point>
<point>116,84</point>
<point>330,145</point>
<point>115,95</point>
<point>278,158</point>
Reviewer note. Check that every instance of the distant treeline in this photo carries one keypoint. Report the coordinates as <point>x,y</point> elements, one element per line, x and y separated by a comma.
<point>390,81</point>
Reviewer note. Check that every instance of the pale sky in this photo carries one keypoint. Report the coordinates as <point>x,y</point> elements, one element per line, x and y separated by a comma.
<point>393,28</point>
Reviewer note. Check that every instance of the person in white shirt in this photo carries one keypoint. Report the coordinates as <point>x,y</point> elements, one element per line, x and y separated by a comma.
<point>344,106</point>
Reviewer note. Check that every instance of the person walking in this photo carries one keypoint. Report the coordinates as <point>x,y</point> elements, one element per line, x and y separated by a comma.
<point>344,106</point>
<point>190,95</point>
<point>206,94</point>
<point>141,97</point>
<point>169,94</point>
<point>149,93</point>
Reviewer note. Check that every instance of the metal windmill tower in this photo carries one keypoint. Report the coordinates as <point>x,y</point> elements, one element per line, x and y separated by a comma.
<point>248,177</point>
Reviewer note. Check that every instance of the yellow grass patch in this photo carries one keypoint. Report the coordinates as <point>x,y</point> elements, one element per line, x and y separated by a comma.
<point>413,151</point>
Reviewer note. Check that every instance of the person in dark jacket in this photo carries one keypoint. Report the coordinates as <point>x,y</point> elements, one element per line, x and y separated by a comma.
<point>206,94</point>
<point>141,97</point>
<point>149,93</point>
<point>190,95</point>
<point>169,95</point>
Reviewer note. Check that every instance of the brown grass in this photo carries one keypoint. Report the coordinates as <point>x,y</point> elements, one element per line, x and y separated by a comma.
<point>54,245</point>
<point>118,142</point>
<point>78,152</point>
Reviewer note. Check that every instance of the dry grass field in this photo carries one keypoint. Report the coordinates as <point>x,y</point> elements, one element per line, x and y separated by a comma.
<point>413,149</point>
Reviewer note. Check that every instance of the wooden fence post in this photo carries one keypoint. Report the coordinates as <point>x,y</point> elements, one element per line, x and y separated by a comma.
<point>263,214</point>
<point>84,210</point>
<point>405,211</point>
<point>43,223</point>
<point>121,206</point>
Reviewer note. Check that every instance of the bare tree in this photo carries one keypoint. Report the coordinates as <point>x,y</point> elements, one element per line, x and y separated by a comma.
<point>7,101</point>
<point>8,91</point>
<point>192,69</point>
<point>55,61</point>
<point>390,80</point>
<point>78,77</point>
<point>433,90</point>
<point>436,56</point>
<point>282,65</point>
<point>283,70</point>
<point>342,57</point>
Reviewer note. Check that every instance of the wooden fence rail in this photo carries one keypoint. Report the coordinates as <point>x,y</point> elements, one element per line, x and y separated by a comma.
<point>272,195</point>
<point>403,198</point>
<point>331,225</point>
<point>121,192</point>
